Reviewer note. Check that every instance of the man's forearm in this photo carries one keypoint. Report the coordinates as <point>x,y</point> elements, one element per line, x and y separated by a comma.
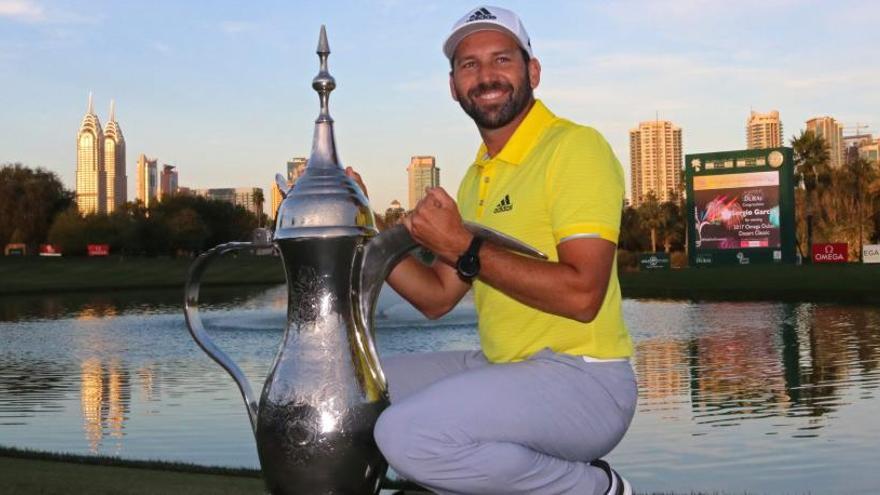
<point>554,287</point>
<point>432,290</point>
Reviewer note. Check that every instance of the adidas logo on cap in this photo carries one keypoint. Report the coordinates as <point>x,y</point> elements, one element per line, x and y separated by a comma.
<point>481,14</point>
<point>503,205</point>
<point>487,18</point>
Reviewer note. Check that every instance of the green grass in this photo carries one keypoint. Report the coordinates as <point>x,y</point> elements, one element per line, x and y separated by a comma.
<point>36,275</point>
<point>852,282</point>
<point>24,471</point>
<point>848,283</point>
<point>35,472</point>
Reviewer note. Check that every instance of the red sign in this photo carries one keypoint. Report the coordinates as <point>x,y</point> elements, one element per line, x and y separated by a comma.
<point>50,250</point>
<point>98,249</point>
<point>834,252</point>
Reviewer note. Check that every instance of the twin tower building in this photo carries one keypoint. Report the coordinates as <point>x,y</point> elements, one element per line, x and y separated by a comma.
<point>101,182</point>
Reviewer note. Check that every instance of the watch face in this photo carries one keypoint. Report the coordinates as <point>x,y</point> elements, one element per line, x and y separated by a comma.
<point>468,266</point>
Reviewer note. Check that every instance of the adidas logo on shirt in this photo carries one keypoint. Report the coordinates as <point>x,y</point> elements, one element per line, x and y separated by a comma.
<point>503,205</point>
<point>481,14</point>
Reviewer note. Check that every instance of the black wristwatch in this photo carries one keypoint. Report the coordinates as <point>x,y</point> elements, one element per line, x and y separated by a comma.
<point>468,264</point>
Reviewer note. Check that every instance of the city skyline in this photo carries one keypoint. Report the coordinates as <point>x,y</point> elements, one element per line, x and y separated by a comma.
<point>225,93</point>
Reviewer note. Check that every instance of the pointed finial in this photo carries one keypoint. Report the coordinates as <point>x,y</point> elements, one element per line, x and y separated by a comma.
<point>91,107</point>
<point>324,83</point>
<point>112,111</point>
<point>323,45</point>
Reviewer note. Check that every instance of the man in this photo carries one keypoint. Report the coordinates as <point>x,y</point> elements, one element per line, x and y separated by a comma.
<point>552,390</point>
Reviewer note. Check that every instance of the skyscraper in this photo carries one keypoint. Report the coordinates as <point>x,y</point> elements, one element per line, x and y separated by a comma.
<point>655,160</point>
<point>295,167</point>
<point>167,182</point>
<point>763,130</point>
<point>147,180</point>
<point>423,172</point>
<point>91,189</point>
<point>870,151</point>
<point>832,132</point>
<point>116,182</point>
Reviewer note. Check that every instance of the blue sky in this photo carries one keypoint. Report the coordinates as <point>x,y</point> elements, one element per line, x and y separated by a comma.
<point>222,89</point>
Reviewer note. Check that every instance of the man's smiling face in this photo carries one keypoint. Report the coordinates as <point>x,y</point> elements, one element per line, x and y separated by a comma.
<point>491,79</point>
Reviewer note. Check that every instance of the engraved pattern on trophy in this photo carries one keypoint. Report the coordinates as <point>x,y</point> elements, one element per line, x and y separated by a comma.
<point>325,389</point>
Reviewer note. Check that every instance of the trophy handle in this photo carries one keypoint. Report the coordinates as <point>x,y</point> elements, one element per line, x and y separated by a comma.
<point>197,330</point>
<point>381,255</point>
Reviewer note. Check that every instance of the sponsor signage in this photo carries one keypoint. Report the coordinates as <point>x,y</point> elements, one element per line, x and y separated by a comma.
<point>871,253</point>
<point>654,261</point>
<point>98,249</point>
<point>704,259</point>
<point>50,250</point>
<point>833,252</point>
<point>740,207</point>
<point>16,249</point>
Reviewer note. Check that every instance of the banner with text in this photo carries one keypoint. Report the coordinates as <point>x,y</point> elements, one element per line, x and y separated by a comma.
<point>98,249</point>
<point>50,250</point>
<point>654,261</point>
<point>735,211</point>
<point>871,253</point>
<point>833,252</point>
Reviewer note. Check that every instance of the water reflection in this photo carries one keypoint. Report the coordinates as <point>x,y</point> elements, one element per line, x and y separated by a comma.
<point>773,387</point>
<point>105,397</point>
<point>93,305</point>
<point>736,362</point>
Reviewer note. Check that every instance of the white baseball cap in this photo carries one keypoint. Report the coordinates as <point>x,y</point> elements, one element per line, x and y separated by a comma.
<point>487,18</point>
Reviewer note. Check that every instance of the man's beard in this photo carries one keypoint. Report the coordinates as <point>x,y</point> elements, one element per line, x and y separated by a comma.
<point>518,99</point>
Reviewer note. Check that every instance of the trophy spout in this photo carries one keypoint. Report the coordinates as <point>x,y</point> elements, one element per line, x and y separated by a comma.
<point>383,253</point>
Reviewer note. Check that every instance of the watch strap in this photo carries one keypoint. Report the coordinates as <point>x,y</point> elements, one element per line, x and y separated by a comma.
<point>471,257</point>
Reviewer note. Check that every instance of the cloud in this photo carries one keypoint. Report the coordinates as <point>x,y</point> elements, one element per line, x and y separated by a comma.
<point>688,12</point>
<point>21,10</point>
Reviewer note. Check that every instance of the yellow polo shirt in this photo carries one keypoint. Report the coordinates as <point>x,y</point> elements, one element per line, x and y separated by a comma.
<point>553,181</point>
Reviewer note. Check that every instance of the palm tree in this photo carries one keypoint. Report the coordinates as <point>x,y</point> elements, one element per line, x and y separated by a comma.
<point>674,227</point>
<point>811,158</point>
<point>861,175</point>
<point>651,217</point>
<point>259,200</point>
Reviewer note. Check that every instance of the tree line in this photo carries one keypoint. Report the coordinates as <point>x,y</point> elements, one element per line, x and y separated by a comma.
<point>36,209</point>
<point>831,205</point>
<point>834,204</point>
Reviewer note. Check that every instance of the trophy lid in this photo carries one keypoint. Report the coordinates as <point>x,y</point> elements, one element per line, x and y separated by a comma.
<point>324,202</point>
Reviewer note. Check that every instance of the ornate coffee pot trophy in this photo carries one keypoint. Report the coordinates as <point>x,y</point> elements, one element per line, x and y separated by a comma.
<point>314,420</point>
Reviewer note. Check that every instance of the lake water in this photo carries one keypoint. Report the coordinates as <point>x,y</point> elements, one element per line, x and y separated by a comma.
<point>768,397</point>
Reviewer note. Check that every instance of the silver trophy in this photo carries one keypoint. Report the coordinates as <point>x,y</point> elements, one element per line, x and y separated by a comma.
<point>314,420</point>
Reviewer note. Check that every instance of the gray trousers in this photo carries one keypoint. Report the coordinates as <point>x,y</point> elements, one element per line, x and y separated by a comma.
<point>460,425</point>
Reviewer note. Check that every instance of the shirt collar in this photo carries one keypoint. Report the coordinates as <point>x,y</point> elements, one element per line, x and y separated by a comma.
<point>523,139</point>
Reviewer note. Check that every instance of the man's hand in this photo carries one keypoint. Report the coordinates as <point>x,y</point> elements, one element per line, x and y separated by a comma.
<point>380,220</point>
<point>436,224</point>
<point>357,178</point>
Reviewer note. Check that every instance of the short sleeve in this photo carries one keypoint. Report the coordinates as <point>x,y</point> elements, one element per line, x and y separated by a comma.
<point>584,187</point>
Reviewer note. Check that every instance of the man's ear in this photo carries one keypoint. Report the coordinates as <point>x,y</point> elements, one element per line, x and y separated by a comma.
<point>534,73</point>
<point>452,87</point>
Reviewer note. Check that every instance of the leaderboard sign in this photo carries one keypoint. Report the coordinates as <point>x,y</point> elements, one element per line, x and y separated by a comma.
<point>740,207</point>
